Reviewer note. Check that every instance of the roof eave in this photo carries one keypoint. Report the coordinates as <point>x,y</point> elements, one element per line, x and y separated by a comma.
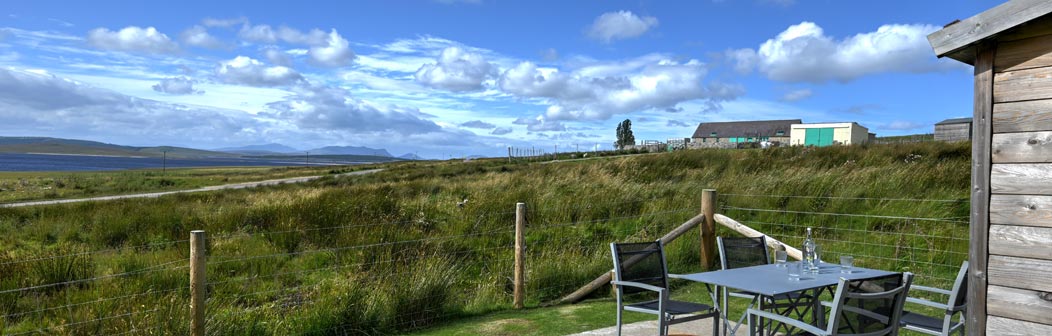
<point>954,40</point>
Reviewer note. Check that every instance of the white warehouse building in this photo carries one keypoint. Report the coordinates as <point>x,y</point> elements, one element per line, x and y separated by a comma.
<point>827,134</point>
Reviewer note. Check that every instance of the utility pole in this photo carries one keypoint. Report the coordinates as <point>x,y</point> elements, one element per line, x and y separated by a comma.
<point>307,159</point>
<point>164,163</point>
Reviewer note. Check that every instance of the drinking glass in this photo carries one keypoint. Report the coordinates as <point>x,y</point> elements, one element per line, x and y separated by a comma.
<point>780,257</point>
<point>794,271</point>
<point>846,262</point>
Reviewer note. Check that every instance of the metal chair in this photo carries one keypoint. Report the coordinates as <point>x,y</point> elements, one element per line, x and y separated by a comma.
<point>736,252</point>
<point>869,307</point>
<point>640,268</point>
<point>955,304</point>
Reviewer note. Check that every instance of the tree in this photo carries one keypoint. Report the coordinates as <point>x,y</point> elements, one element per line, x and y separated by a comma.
<point>624,134</point>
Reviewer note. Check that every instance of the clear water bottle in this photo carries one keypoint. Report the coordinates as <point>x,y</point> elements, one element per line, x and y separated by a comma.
<point>810,255</point>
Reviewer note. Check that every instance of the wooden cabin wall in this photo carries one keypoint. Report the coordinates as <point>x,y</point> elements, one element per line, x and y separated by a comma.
<point>1019,267</point>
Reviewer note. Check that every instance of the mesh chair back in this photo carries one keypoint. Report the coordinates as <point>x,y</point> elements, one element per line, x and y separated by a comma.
<point>960,286</point>
<point>743,251</point>
<point>870,306</point>
<point>640,262</point>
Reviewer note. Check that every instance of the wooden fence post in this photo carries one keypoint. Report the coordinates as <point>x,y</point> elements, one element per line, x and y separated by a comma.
<point>708,229</point>
<point>197,283</point>
<point>520,254</point>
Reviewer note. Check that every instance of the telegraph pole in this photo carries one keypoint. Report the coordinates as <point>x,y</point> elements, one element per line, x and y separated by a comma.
<point>164,163</point>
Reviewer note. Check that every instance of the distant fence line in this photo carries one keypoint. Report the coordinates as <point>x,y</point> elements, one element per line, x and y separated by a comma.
<point>254,283</point>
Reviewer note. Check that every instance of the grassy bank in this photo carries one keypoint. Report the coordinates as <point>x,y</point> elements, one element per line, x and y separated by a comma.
<point>393,252</point>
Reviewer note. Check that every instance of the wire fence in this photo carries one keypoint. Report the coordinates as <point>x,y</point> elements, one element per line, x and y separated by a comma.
<point>403,275</point>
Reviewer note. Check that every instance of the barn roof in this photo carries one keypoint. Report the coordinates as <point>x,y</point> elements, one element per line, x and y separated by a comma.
<point>955,121</point>
<point>955,38</point>
<point>744,128</point>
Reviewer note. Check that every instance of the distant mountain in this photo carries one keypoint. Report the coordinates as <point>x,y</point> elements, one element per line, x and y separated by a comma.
<point>85,147</point>
<point>270,148</point>
<point>349,150</point>
<point>410,156</point>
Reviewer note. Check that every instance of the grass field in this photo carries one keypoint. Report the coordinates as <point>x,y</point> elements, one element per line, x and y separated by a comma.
<point>32,186</point>
<point>392,252</point>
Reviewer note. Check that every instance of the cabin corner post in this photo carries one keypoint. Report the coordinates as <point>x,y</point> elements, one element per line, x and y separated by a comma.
<point>979,223</point>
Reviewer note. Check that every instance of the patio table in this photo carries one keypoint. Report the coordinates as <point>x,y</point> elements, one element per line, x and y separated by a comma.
<point>771,280</point>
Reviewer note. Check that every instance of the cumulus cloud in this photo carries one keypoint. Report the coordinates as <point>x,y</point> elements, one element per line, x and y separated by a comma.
<point>620,25</point>
<point>176,86</point>
<point>540,124</point>
<point>797,95</point>
<point>501,131</point>
<point>277,57</point>
<point>335,52</point>
<point>198,36</point>
<point>248,71</point>
<point>804,53</point>
<point>456,70</point>
<point>478,124</point>
<point>58,106</point>
<point>600,90</point>
<point>267,34</point>
<point>132,38</point>
<point>330,108</point>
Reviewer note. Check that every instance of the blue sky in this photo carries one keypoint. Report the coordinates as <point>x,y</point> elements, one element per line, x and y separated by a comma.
<point>458,78</point>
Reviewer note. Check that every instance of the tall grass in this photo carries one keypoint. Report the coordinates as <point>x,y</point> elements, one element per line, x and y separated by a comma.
<point>392,251</point>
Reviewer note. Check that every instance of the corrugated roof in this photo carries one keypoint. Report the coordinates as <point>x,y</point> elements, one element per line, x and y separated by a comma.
<point>955,121</point>
<point>745,128</point>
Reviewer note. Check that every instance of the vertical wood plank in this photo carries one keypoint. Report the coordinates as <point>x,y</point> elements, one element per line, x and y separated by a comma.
<point>198,282</point>
<point>708,229</point>
<point>520,255</point>
<point>979,226</point>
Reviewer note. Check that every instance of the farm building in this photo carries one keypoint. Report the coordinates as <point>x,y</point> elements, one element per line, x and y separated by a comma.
<point>1010,248</point>
<point>957,129</point>
<point>827,134</point>
<point>714,133</point>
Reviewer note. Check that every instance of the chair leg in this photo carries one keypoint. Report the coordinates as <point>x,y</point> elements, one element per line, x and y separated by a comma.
<point>716,324</point>
<point>619,312</point>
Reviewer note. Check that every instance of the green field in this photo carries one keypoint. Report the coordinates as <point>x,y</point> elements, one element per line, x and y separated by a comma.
<point>34,186</point>
<point>392,252</point>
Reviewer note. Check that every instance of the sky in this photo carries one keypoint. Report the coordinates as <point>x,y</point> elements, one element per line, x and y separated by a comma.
<point>450,78</point>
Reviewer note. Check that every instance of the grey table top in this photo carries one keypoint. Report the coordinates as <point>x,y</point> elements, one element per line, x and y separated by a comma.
<point>771,280</point>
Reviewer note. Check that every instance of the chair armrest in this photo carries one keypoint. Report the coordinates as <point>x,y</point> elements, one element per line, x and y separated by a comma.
<point>827,304</point>
<point>638,285</point>
<point>927,303</point>
<point>677,276</point>
<point>930,289</point>
<point>787,320</point>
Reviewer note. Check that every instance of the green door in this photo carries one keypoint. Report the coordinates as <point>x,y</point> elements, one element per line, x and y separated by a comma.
<point>818,137</point>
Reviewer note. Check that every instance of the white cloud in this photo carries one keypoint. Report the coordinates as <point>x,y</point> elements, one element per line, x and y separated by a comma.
<point>620,25</point>
<point>198,36</point>
<point>132,38</point>
<point>336,51</point>
<point>267,34</point>
<point>53,106</point>
<point>329,108</point>
<point>248,71</point>
<point>277,57</point>
<point>540,124</point>
<point>176,86</point>
<point>803,53</point>
<point>600,90</point>
<point>501,131</point>
<point>797,95</point>
<point>456,70</point>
